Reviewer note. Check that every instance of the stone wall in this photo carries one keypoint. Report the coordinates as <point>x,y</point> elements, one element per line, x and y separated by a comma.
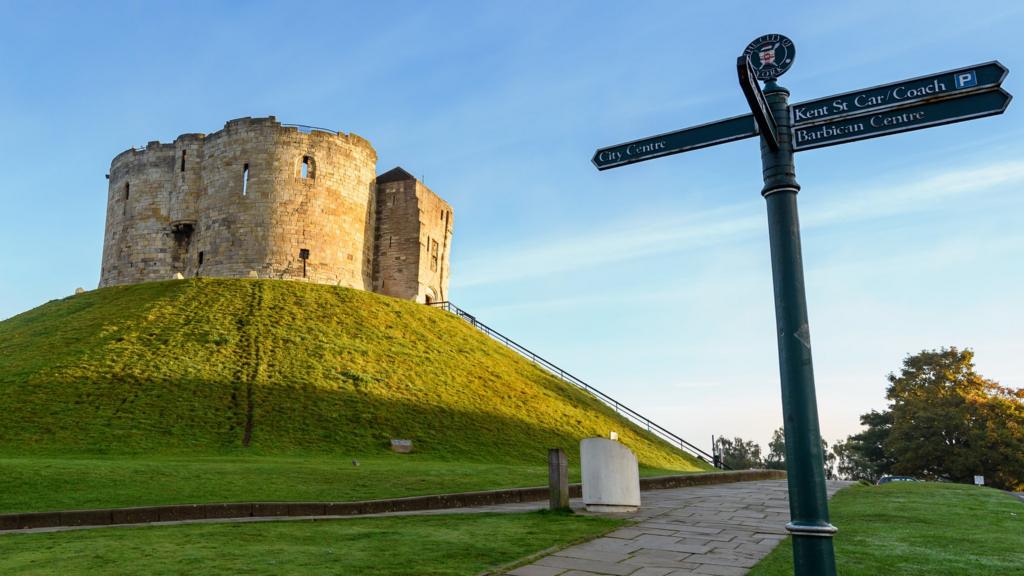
<point>258,199</point>
<point>136,244</point>
<point>414,229</point>
<point>436,221</point>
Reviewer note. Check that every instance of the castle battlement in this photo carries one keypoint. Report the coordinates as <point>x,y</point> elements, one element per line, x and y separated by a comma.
<point>262,199</point>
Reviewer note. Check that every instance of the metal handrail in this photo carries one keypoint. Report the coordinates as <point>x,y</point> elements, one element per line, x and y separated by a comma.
<point>619,407</point>
<point>307,129</point>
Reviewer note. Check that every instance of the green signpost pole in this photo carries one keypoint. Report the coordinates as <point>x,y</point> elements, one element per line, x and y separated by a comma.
<point>813,554</point>
<point>923,102</point>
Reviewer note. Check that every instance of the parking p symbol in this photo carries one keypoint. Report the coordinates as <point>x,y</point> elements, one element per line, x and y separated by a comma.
<point>966,79</point>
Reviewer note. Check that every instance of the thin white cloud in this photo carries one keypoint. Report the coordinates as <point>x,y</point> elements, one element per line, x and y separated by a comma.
<point>610,245</point>
<point>670,235</point>
<point>694,385</point>
<point>915,195</point>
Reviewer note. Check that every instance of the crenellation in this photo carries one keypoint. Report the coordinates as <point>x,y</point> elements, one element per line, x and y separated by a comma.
<point>258,199</point>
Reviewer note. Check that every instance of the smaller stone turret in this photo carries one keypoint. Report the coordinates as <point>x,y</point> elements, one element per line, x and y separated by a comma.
<point>414,237</point>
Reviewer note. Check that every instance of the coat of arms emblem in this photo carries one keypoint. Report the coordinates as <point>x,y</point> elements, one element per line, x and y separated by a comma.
<point>770,56</point>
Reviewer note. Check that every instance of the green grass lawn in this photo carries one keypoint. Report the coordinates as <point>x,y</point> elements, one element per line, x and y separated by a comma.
<point>37,484</point>
<point>207,366</point>
<point>920,529</point>
<point>464,544</point>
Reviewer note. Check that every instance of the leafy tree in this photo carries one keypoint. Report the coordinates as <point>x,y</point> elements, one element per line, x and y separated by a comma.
<point>944,421</point>
<point>776,459</point>
<point>739,454</point>
<point>950,422</point>
<point>829,458</point>
<point>863,456</point>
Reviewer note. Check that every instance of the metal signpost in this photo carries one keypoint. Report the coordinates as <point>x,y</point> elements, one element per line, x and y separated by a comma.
<point>943,98</point>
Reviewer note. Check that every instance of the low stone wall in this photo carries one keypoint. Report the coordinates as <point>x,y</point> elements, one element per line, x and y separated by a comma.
<point>179,512</point>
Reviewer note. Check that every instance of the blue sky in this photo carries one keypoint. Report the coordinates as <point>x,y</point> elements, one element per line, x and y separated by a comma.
<point>650,281</point>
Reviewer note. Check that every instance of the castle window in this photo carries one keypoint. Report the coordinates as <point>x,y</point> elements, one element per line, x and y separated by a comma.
<point>127,189</point>
<point>433,255</point>
<point>308,168</point>
<point>200,258</point>
<point>124,207</point>
<point>183,152</point>
<point>245,179</point>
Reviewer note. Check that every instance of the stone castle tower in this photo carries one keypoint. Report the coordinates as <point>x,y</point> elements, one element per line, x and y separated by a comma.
<point>259,199</point>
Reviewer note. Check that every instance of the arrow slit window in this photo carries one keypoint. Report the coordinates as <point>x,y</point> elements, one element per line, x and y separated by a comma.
<point>307,169</point>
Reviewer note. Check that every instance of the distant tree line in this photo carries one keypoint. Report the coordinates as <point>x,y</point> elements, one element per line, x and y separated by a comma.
<point>740,454</point>
<point>944,422</point>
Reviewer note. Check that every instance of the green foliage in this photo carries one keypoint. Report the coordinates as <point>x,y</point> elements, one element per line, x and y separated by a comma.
<point>216,366</point>
<point>919,529</point>
<point>950,422</point>
<point>776,458</point>
<point>829,458</point>
<point>944,421</point>
<point>423,545</point>
<point>739,454</point>
<point>862,456</point>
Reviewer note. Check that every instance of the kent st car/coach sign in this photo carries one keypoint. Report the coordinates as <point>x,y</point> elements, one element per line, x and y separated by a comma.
<point>961,80</point>
<point>942,98</point>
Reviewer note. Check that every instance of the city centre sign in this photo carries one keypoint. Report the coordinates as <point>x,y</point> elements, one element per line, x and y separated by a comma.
<point>924,102</point>
<point>720,132</point>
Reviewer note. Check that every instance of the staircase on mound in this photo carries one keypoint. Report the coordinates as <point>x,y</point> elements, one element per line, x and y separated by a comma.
<point>623,410</point>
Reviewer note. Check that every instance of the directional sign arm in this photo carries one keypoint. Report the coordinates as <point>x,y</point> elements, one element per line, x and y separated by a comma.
<point>893,121</point>
<point>758,105</point>
<point>720,132</point>
<point>948,84</point>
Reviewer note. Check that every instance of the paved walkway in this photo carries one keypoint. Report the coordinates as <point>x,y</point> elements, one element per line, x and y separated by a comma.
<point>719,530</point>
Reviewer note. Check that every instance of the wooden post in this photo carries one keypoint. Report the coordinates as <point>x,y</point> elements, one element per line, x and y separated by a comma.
<point>558,478</point>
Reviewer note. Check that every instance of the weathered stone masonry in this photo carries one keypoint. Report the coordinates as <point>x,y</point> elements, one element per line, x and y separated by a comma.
<point>263,200</point>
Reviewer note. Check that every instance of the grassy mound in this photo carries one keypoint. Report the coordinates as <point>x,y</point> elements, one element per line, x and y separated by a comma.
<point>275,367</point>
<point>919,529</point>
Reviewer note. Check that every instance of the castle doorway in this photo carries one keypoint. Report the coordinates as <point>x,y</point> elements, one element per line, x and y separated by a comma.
<point>182,233</point>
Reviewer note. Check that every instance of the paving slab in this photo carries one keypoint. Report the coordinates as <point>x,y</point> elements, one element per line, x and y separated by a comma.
<point>720,530</point>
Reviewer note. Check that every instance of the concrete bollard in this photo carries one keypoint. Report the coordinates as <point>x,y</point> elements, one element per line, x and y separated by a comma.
<point>611,476</point>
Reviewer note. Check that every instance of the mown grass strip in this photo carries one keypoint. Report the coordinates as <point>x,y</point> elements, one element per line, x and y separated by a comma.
<point>45,483</point>
<point>920,529</point>
<point>447,545</point>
